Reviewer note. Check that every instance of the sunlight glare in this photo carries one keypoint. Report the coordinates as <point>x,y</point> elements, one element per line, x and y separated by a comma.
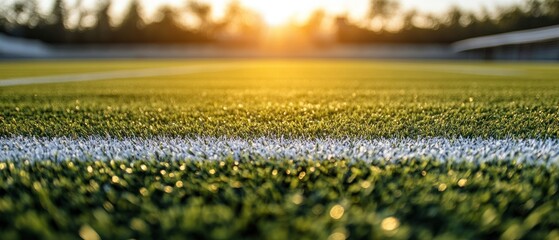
<point>276,13</point>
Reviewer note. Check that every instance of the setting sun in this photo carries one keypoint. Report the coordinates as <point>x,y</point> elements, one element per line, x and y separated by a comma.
<point>277,13</point>
<point>281,12</point>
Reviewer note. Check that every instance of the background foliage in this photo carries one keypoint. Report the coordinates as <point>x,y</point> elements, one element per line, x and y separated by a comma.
<point>240,25</point>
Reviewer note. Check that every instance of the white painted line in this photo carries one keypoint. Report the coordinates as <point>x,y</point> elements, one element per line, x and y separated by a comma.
<point>485,71</point>
<point>476,70</point>
<point>479,70</point>
<point>208,148</point>
<point>122,74</point>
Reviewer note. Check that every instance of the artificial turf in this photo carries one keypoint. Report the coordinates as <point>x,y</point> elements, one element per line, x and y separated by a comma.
<point>277,199</point>
<point>280,198</point>
<point>302,99</point>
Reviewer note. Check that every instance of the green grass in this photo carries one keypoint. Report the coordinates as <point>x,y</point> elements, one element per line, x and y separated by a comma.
<point>42,68</point>
<point>295,99</point>
<point>280,199</point>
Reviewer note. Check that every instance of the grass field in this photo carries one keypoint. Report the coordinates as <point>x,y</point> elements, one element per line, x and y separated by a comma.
<point>293,99</point>
<point>306,149</point>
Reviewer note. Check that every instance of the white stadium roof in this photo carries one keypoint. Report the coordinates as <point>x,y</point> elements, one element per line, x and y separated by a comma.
<point>512,38</point>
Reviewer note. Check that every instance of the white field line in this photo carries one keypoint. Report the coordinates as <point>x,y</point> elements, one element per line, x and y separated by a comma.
<point>110,75</point>
<point>207,148</point>
<point>479,70</point>
<point>474,70</point>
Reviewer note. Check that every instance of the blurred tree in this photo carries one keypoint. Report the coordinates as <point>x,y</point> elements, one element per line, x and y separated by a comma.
<point>315,22</point>
<point>3,12</point>
<point>19,9</point>
<point>202,12</point>
<point>551,7</point>
<point>454,17</point>
<point>3,20</point>
<point>383,10</point>
<point>167,29</point>
<point>130,29</point>
<point>21,13</point>
<point>408,20</point>
<point>536,8</point>
<point>512,17</point>
<point>239,25</point>
<point>432,21</point>
<point>233,14</point>
<point>103,28</point>
<point>55,30</point>
<point>312,29</point>
<point>58,15</point>
<point>18,18</point>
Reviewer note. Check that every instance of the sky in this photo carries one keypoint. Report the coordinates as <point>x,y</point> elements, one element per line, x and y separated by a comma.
<point>277,12</point>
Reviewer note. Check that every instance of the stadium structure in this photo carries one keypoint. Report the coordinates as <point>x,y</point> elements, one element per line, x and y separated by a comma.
<point>533,44</point>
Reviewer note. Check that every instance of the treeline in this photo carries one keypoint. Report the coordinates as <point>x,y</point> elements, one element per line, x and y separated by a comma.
<point>23,19</point>
<point>66,24</point>
<point>453,26</point>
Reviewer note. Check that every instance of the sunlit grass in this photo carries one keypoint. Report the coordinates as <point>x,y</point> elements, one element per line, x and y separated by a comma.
<point>277,199</point>
<point>296,99</point>
<point>281,198</point>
